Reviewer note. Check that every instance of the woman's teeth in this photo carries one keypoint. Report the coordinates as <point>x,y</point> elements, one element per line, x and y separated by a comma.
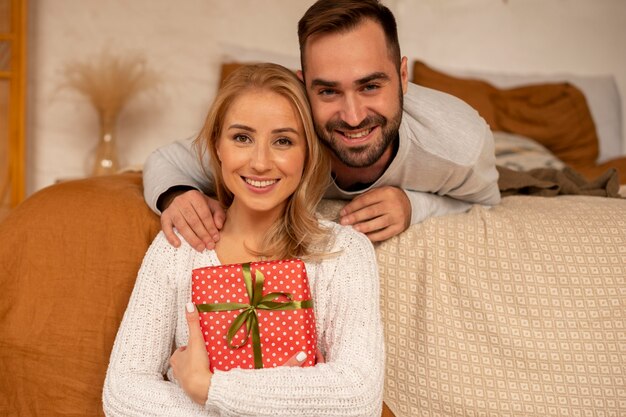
<point>260,184</point>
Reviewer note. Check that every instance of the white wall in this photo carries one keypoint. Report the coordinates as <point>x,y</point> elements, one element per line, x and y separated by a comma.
<point>183,40</point>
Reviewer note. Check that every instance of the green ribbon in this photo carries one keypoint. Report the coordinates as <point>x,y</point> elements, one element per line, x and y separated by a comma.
<point>249,313</point>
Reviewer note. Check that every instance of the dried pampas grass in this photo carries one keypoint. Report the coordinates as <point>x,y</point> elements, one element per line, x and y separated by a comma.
<point>109,81</point>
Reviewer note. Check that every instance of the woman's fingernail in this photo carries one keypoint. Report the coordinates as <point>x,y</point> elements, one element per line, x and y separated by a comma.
<point>300,357</point>
<point>190,307</point>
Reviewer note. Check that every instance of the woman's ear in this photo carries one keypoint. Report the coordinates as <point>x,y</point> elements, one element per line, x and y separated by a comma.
<point>217,150</point>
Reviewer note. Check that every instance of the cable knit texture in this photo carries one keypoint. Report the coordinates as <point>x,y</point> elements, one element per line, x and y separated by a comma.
<point>345,291</point>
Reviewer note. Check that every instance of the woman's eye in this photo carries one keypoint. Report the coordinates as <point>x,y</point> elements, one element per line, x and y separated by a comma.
<point>241,138</point>
<point>283,142</point>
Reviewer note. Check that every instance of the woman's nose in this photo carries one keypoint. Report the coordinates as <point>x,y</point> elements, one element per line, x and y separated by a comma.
<point>260,159</point>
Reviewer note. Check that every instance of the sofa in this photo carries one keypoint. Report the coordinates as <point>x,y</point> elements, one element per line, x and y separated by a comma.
<point>517,310</point>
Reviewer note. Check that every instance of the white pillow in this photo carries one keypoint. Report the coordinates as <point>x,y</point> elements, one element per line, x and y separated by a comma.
<point>521,153</point>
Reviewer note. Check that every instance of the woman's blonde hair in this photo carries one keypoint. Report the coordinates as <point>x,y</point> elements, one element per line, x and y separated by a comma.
<point>298,230</point>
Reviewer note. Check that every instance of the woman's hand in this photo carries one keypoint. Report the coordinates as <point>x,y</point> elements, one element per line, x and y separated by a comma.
<point>190,363</point>
<point>299,358</point>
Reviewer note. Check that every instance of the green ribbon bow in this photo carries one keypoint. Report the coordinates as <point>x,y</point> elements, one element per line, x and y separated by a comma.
<point>249,313</point>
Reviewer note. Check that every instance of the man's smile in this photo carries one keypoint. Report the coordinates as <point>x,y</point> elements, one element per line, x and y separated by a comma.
<point>357,136</point>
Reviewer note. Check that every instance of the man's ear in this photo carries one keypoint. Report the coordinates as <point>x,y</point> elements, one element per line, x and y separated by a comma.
<point>300,75</point>
<point>404,74</point>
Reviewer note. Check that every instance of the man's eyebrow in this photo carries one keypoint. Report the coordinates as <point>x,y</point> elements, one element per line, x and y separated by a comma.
<point>318,82</point>
<point>372,77</point>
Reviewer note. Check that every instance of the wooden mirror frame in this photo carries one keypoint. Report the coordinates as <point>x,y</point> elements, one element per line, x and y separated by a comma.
<point>15,74</point>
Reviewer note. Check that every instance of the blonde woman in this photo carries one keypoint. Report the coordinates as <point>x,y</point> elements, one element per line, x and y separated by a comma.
<point>269,172</point>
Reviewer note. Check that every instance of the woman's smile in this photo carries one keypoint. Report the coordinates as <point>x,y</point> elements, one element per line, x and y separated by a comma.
<point>260,185</point>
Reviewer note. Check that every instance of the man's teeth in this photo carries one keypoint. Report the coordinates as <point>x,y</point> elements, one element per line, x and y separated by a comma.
<point>260,184</point>
<point>357,135</point>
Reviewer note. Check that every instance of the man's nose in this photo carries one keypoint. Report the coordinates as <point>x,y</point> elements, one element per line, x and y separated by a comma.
<point>353,111</point>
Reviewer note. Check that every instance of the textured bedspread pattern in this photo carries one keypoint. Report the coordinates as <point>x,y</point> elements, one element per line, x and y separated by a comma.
<point>518,310</point>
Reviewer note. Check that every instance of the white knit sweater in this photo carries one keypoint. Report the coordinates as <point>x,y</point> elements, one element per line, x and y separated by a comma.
<point>345,294</point>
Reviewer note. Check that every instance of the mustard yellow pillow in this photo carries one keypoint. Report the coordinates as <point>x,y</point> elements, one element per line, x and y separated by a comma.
<point>555,115</point>
<point>474,92</point>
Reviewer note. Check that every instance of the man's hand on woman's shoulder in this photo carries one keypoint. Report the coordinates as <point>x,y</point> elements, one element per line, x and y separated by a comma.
<point>380,213</point>
<point>197,217</point>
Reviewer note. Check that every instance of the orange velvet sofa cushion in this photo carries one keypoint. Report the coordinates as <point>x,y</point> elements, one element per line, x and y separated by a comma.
<point>68,262</point>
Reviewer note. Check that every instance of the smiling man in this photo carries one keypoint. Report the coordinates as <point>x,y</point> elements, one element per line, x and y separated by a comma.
<point>400,153</point>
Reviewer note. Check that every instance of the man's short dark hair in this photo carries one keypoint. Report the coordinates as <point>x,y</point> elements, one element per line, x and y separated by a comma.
<point>333,16</point>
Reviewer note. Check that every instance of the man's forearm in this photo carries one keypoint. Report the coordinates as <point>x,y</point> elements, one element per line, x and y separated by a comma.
<point>166,198</point>
<point>426,205</point>
<point>171,168</point>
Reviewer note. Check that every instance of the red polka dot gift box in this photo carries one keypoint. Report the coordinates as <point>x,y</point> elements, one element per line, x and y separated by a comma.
<point>255,315</point>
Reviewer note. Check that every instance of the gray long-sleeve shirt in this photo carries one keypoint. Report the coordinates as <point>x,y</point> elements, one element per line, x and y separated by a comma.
<point>445,160</point>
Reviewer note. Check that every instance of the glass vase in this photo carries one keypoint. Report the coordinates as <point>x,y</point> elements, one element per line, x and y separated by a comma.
<point>106,159</point>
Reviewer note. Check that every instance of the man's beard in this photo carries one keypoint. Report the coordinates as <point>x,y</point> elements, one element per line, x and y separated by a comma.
<point>366,155</point>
